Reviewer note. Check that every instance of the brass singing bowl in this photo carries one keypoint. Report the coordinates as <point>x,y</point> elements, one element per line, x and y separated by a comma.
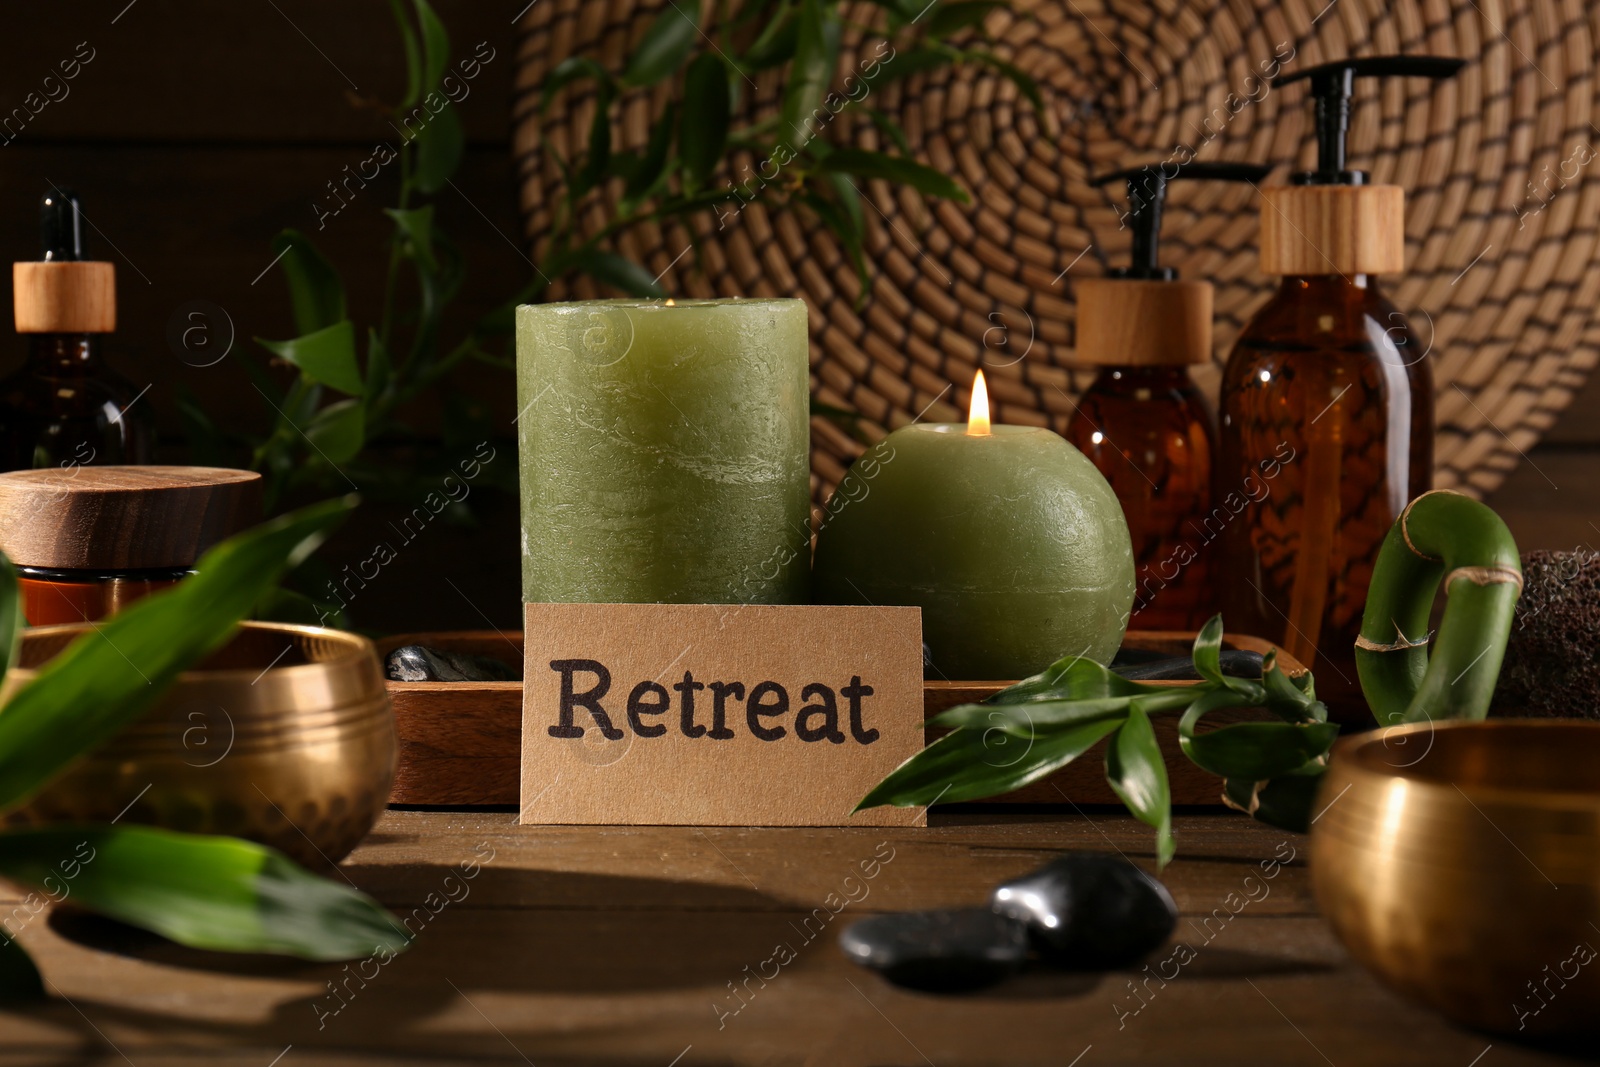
<point>1460,863</point>
<point>284,736</point>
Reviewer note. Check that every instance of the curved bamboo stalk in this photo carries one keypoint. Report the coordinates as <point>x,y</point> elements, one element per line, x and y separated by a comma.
<point>1441,536</point>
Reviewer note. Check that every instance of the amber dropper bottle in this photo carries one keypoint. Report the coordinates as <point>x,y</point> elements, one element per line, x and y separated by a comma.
<point>64,407</point>
<point>1327,401</point>
<point>1142,421</point>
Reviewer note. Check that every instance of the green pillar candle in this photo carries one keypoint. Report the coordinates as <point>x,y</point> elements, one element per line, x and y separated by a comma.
<point>664,451</point>
<point>1009,540</point>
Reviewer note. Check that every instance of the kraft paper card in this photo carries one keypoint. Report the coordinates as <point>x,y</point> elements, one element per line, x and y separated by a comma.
<point>714,715</point>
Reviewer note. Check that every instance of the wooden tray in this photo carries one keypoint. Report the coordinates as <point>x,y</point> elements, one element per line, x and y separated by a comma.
<point>461,742</point>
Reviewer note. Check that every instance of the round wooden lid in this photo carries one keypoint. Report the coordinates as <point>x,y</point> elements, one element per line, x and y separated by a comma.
<point>122,518</point>
<point>1333,229</point>
<point>68,296</point>
<point>1139,322</point>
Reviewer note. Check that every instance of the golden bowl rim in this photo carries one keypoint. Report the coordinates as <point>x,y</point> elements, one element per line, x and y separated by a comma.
<point>1353,768</point>
<point>356,649</point>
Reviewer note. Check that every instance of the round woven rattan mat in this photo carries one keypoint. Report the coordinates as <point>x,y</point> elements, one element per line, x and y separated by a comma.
<point>1503,272</point>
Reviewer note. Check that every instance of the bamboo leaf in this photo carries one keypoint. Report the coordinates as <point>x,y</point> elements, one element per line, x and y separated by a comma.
<point>843,226</point>
<point>1256,750</point>
<point>816,55</point>
<point>971,763</point>
<point>416,232</point>
<point>1027,720</point>
<point>1024,82</point>
<point>338,431</point>
<point>653,163</point>
<point>1287,801</point>
<point>327,356</point>
<point>1073,678</point>
<point>619,272</point>
<point>217,893</point>
<point>897,169</point>
<point>108,677</point>
<point>567,71</point>
<point>904,64</point>
<point>702,140</point>
<point>11,620</point>
<point>315,291</point>
<point>435,46</point>
<point>440,143</point>
<point>891,129</point>
<point>598,157</point>
<point>1138,775</point>
<point>952,18</point>
<point>777,41</point>
<point>408,40</point>
<point>665,44</point>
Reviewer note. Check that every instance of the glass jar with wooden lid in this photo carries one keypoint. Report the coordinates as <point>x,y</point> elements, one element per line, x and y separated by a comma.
<point>86,541</point>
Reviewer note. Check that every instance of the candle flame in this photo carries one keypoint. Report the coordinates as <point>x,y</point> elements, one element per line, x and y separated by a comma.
<point>978,413</point>
<point>671,302</point>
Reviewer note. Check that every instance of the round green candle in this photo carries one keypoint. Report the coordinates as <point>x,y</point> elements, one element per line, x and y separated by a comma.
<point>664,451</point>
<point>1011,542</point>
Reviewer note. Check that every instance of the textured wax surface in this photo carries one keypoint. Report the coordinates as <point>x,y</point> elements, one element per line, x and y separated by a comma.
<point>1013,545</point>
<point>664,451</point>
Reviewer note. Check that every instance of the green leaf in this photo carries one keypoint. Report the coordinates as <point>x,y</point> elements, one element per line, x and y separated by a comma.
<point>1033,717</point>
<point>911,61</point>
<point>435,46</point>
<point>849,199</point>
<point>619,272</point>
<point>1138,775</point>
<point>315,290</point>
<point>1258,750</point>
<point>567,71</point>
<point>705,99</point>
<point>777,41</point>
<point>952,18</point>
<point>816,56</point>
<point>339,430</point>
<point>379,369</point>
<point>1073,678</point>
<point>108,677</point>
<point>217,893</point>
<point>839,221</point>
<point>408,39</point>
<point>19,978</point>
<point>598,158</point>
<point>440,144</point>
<point>1287,801</point>
<point>665,44</point>
<point>416,232</point>
<point>897,169</point>
<point>327,356</point>
<point>971,763</point>
<point>1292,699</point>
<point>891,129</point>
<point>652,165</point>
<point>1207,653</point>
<point>1024,82</point>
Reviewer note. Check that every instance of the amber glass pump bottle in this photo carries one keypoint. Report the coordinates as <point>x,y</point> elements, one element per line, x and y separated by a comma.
<point>64,407</point>
<point>1142,421</point>
<point>1327,400</point>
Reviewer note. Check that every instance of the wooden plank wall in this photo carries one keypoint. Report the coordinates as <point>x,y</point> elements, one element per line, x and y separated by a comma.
<point>198,130</point>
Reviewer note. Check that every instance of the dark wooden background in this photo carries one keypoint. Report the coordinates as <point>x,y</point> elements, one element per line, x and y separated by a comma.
<point>201,129</point>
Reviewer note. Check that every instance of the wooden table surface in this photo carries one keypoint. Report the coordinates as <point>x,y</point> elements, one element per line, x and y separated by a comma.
<point>621,945</point>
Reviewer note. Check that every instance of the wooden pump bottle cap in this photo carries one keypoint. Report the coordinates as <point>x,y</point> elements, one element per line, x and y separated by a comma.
<point>1331,220</point>
<point>122,518</point>
<point>1142,315</point>
<point>63,292</point>
<point>1140,322</point>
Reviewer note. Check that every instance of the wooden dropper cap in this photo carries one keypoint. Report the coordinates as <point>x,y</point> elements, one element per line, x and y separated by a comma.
<point>1143,316</point>
<point>122,518</point>
<point>1332,220</point>
<point>63,292</point>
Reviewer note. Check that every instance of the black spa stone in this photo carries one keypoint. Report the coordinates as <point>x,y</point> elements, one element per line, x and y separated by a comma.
<point>1090,910</point>
<point>418,663</point>
<point>938,951</point>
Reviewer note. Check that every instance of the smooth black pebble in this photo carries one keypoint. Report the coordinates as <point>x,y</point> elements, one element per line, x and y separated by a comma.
<point>418,663</point>
<point>1090,910</point>
<point>938,951</point>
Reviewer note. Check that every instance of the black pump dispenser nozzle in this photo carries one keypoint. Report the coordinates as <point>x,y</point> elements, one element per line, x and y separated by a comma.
<point>61,225</point>
<point>1332,84</point>
<point>1147,192</point>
